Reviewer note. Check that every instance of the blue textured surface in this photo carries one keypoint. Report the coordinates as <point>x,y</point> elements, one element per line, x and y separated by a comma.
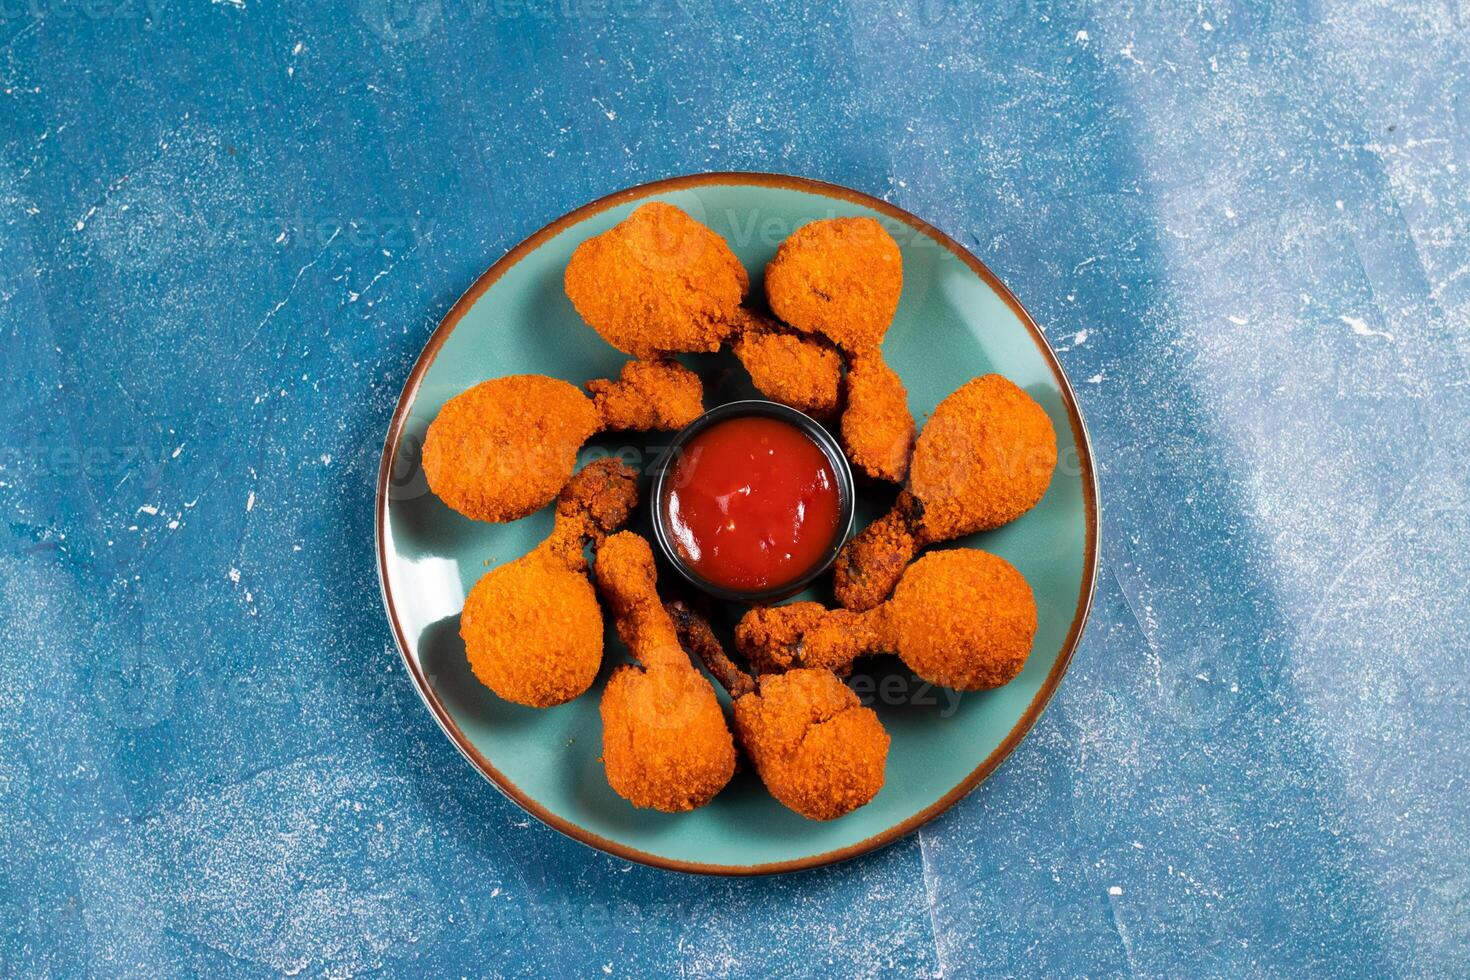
<point>227,227</point>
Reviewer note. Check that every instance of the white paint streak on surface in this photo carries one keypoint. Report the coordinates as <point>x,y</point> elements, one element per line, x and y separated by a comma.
<point>1361,328</point>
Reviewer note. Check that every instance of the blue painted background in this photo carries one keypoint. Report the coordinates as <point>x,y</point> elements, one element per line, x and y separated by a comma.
<point>227,227</point>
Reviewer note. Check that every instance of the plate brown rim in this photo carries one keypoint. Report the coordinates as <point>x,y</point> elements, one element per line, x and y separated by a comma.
<point>788,182</point>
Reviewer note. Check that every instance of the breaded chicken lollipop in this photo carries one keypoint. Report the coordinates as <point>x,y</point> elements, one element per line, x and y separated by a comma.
<point>659,283</point>
<point>795,369</point>
<point>841,278</point>
<point>656,283</point>
<point>818,750</point>
<point>665,744</point>
<point>504,448</point>
<point>532,629</point>
<point>985,457</point>
<point>963,619</point>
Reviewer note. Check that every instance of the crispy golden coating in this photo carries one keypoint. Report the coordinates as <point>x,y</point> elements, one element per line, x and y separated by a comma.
<point>962,618</point>
<point>814,745</point>
<point>533,629</point>
<point>596,502</point>
<point>870,564</point>
<point>659,282</point>
<point>841,278</point>
<point>817,749</point>
<point>665,744</point>
<point>801,371</point>
<point>985,458</point>
<point>504,448</point>
<point>803,634</point>
<point>877,429</point>
<point>661,394</point>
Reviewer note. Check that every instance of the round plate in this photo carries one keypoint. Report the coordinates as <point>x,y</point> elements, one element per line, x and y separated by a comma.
<point>955,321</point>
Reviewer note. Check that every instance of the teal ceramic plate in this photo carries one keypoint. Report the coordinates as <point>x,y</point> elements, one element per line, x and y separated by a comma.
<point>955,321</point>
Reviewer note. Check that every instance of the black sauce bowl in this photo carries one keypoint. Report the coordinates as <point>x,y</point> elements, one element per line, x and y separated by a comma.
<point>667,464</point>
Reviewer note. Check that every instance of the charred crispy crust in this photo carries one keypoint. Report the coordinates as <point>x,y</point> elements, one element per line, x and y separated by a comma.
<point>774,639</point>
<point>871,564</point>
<point>698,637</point>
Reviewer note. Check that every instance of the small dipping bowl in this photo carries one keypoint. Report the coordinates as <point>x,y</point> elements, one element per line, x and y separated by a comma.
<point>667,471</point>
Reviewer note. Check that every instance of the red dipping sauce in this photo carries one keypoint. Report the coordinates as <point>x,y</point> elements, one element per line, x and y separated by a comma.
<point>753,504</point>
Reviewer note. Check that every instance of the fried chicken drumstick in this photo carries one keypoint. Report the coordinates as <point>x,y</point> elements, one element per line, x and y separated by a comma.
<point>963,619</point>
<point>658,282</point>
<point>818,750</point>
<point>504,448</point>
<point>532,629</point>
<point>840,278</point>
<point>661,283</point>
<point>665,744</point>
<point>985,458</point>
<point>804,372</point>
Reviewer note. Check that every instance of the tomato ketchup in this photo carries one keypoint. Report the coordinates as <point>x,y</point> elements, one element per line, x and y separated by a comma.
<point>753,504</point>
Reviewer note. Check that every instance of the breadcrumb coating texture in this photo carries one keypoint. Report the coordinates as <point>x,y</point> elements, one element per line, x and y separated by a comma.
<point>985,457</point>
<point>963,619</point>
<point>504,448</point>
<point>814,745</point>
<point>593,504</point>
<point>870,565</point>
<point>801,372</point>
<point>659,282</point>
<point>774,639</point>
<point>839,277</point>
<point>665,744</point>
<point>533,631</point>
<point>877,429</point>
<point>660,395</point>
<point>627,578</point>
